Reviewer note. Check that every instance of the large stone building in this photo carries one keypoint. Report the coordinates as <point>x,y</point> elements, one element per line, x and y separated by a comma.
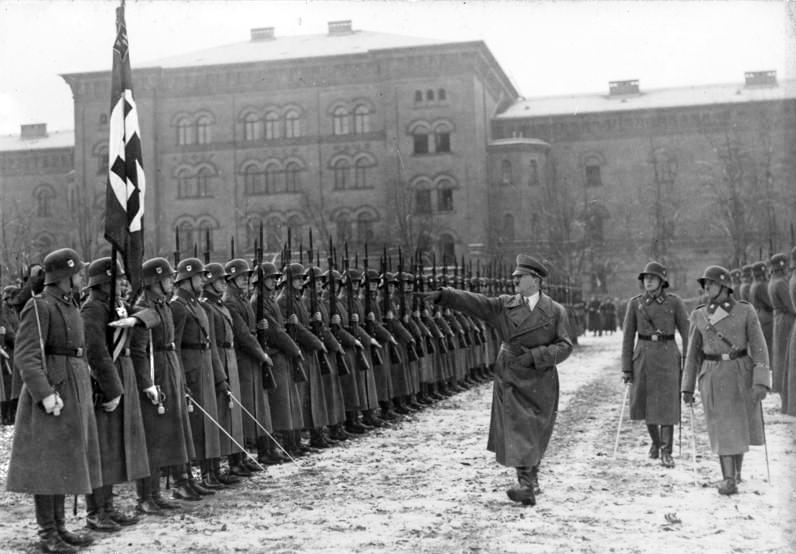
<point>388,139</point>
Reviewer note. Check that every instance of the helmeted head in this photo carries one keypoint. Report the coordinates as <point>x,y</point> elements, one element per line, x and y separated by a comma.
<point>352,274</point>
<point>237,266</point>
<point>9,292</point>
<point>268,269</point>
<point>100,271</point>
<point>189,267</point>
<point>61,264</point>
<point>735,275</point>
<point>778,262</point>
<point>716,274</point>
<point>294,271</point>
<point>372,276</point>
<point>759,270</point>
<point>335,275</point>
<point>658,270</point>
<point>746,272</point>
<point>387,278</point>
<point>156,269</point>
<point>215,271</point>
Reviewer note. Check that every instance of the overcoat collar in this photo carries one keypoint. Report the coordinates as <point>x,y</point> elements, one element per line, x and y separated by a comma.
<point>659,297</point>
<point>518,310</point>
<point>58,294</point>
<point>727,305</point>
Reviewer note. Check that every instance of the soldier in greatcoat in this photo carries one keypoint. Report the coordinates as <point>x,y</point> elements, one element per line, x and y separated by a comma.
<point>728,359</point>
<point>652,363</point>
<point>759,298</point>
<point>735,276</point>
<point>117,407</point>
<point>230,416</point>
<point>193,336</point>
<point>784,317</point>
<point>788,389</point>
<point>161,383</point>
<point>594,318</point>
<point>746,283</point>
<point>55,450</point>
<point>10,383</point>
<point>525,396</point>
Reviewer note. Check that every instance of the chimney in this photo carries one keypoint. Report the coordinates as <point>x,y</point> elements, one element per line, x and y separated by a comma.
<point>618,88</point>
<point>761,78</point>
<point>263,33</point>
<point>32,131</point>
<point>340,27</point>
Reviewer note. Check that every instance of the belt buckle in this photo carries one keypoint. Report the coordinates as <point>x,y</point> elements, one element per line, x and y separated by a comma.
<point>79,352</point>
<point>654,338</point>
<point>726,357</point>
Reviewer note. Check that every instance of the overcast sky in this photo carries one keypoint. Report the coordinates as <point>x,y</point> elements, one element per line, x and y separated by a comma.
<point>547,48</point>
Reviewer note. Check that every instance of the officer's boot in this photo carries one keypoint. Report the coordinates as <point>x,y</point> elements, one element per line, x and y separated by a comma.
<point>236,466</point>
<point>181,489</point>
<point>145,504</point>
<point>194,484</point>
<point>412,403</point>
<point>738,465</point>
<point>317,439</point>
<point>49,539</point>
<point>655,435</point>
<point>122,518</point>
<point>154,493</point>
<point>399,407</point>
<point>352,425</point>
<point>524,493</point>
<point>96,518</point>
<point>70,538</point>
<point>369,417</point>
<point>667,440</point>
<point>434,393</point>
<point>537,490</point>
<point>227,477</point>
<point>727,486</point>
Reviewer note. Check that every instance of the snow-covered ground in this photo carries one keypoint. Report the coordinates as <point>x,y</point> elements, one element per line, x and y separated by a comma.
<point>429,485</point>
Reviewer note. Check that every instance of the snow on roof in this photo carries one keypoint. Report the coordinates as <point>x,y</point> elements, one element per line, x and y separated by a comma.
<point>660,98</point>
<point>514,141</point>
<point>53,139</point>
<point>292,47</point>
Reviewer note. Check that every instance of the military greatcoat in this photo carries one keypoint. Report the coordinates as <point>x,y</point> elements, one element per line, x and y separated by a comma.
<point>759,298</point>
<point>525,394</point>
<point>784,317</point>
<point>788,391</point>
<point>53,454</point>
<point>734,419</point>
<point>654,358</point>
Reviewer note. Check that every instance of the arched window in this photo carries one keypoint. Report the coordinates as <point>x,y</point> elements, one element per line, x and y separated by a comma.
<point>505,172</point>
<point>442,138</point>
<point>253,180</point>
<point>593,172</point>
<point>272,179</point>
<point>533,174</point>
<point>295,222</point>
<point>423,201</point>
<point>273,234</point>
<point>508,227</point>
<point>420,141</point>
<point>292,177</point>
<point>340,121</point>
<point>342,170</point>
<point>44,200</point>
<point>441,94</point>
<point>361,120</point>
<point>596,215</point>
<point>344,233</point>
<point>251,127</point>
<point>186,239</point>
<point>360,173</point>
<point>185,132</point>
<point>445,196</point>
<point>292,124</point>
<point>271,126</point>
<point>203,134</point>
<point>186,184</point>
<point>365,231</point>
<point>430,95</point>
<point>203,182</point>
<point>418,96</point>
<point>447,247</point>
<point>205,237</point>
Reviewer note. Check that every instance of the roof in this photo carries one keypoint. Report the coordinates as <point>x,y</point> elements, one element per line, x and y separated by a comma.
<point>661,98</point>
<point>292,47</point>
<point>54,139</point>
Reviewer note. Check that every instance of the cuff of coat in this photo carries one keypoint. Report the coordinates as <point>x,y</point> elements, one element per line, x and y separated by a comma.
<point>148,317</point>
<point>761,376</point>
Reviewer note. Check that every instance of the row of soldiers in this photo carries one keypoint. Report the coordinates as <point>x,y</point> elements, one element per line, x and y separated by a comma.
<point>210,362</point>
<point>770,286</point>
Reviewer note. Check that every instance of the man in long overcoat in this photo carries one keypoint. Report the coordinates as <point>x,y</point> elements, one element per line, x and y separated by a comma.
<point>55,451</point>
<point>727,357</point>
<point>784,317</point>
<point>652,364</point>
<point>10,383</point>
<point>759,298</point>
<point>788,390</point>
<point>525,396</point>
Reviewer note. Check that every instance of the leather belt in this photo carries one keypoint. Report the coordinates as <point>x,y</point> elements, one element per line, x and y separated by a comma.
<point>65,351</point>
<point>656,337</point>
<point>726,356</point>
<point>225,345</point>
<point>195,346</point>
<point>166,348</point>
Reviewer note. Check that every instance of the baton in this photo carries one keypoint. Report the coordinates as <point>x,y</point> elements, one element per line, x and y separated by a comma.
<point>217,424</point>
<point>693,443</point>
<point>765,441</point>
<point>621,413</point>
<point>263,429</point>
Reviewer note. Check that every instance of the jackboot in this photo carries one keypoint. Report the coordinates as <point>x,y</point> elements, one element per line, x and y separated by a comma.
<point>224,477</point>
<point>738,465</point>
<point>412,404</point>
<point>727,486</point>
<point>387,413</point>
<point>209,480</point>
<point>122,518</point>
<point>197,487</point>
<point>276,453</point>
<point>74,539</point>
<point>181,489</point>
<point>422,396</point>
<point>655,435</point>
<point>369,417</point>
<point>145,503</point>
<point>338,433</point>
<point>400,408</point>
<point>667,440</point>
<point>236,466</point>
<point>524,493</point>
<point>154,494</point>
<point>352,425</point>
<point>433,394</point>
<point>96,518</point>
<point>49,538</point>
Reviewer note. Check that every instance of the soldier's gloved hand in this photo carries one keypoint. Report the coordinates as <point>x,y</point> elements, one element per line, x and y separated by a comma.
<point>392,340</point>
<point>627,377</point>
<point>262,325</point>
<point>4,354</point>
<point>688,398</point>
<point>336,319</point>
<point>317,316</point>
<point>358,344</point>
<point>371,316</point>
<point>405,319</point>
<point>292,319</point>
<point>324,349</point>
<point>125,322</point>
<point>268,361</point>
<point>426,313</point>
<point>759,392</point>
<point>389,315</point>
<point>50,403</point>
<point>152,394</point>
<point>374,342</point>
<point>112,404</point>
<point>433,296</point>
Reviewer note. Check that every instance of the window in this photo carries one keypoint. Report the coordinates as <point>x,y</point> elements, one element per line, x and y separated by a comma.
<point>508,227</point>
<point>420,142</point>
<point>203,135</point>
<point>418,96</point>
<point>445,199</point>
<point>251,128</point>
<point>271,126</point>
<point>533,174</point>
<point>205,237</point>
<point>429,95</point>
<point>202,182</point>
<point>442,141</point>
<point>344,233</point>
<point>365,227</point>
<point>341,174</point>
<point>665,167</point>
<point>360,173</point>
<point>423,202</point>
<point>361,120</point>
<point>272,179</point>
<point>184,132</point>
<point>253,180</point>
<point>292,177</point>
<point>447,247</point>
<point>44,198</point>
<point>186,186</point>
<point>273,235</point>
<point>185,236</point>
<point>505,172</point>
<point>441,95</point>
<point>593,177</point>
<point>292,124</point>
<point>340,121</point>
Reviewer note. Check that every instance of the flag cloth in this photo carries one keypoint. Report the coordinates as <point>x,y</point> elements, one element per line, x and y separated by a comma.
<point>124,199</point>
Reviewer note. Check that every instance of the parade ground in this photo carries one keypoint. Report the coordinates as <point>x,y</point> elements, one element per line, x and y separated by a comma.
<point>427,484</point>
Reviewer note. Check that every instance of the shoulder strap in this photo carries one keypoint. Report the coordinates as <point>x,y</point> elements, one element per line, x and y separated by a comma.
<point>709,326</point>
<point>643,309</point>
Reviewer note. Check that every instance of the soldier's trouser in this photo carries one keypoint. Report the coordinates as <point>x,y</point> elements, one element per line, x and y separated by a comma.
<point>526,475</point>
<point>45,514</point>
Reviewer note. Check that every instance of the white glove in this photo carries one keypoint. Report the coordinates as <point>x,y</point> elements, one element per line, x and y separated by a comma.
<point>125,322</point>
<point>374,342</point>
<point>336,319</point>
<point>152,394</point>
<point>358,344</point>
<point>111,404</point>
<point>52,404</point>
<point>292,319</point>
<point>262,325</point>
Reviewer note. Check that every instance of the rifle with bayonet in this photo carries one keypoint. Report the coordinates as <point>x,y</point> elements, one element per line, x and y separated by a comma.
<point>340,357</point>
<point>316,324</point>
<point>353,315</point>
<point>411,347</point>
<point>299,373</point>
<point>269,382</point>
<point>387,315</point>
<point>375,352</point>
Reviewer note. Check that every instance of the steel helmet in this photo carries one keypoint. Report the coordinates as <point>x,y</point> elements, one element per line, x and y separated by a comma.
<point>717,274</point>
<point>99,271</point>
<point>60,264</point>
<point>658,270</point>
<point>214,272</point>
<point>189,267</point>
<point>156,269</point>
<point>237,267</point>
